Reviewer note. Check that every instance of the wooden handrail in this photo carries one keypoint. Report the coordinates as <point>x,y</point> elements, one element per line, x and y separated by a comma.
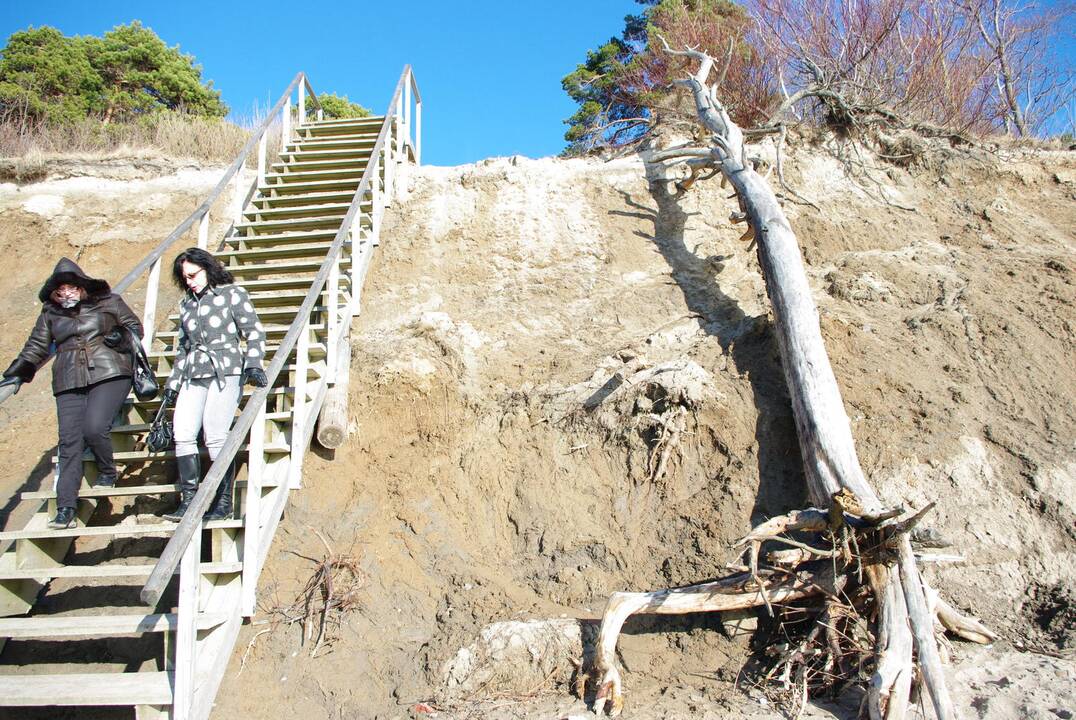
<point>192,519</point>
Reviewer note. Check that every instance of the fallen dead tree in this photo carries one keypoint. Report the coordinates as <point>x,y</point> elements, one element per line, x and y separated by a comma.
<point>850,551</point>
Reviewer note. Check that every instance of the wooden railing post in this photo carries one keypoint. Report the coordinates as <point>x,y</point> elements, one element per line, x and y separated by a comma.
<point>263,149</point>
<point>237,198</point>
<point>418,132</point>
<point>407,111</point>
<point>203,232</point>
<point>149,310</point>
<point>332,312</point>
<point>401,126</point>
<point>302,102</point>
<point>298,407</point>
<point>285,124</point>
<point>187,629</point>
<point>252,514</point>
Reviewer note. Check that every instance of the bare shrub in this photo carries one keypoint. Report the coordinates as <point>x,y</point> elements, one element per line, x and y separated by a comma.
<point>931,64</point>
<point>723,31</point>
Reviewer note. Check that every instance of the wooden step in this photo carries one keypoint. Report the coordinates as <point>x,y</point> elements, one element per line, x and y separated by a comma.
<point>282,189</point>
<point>299,164</point>
<point>109,571</point>
<point>293,268</point>
<point>162,374</point>
<point>356,134</point>
<point>318,249</point>
<point>316,350</point>
<point>99,492</point>
<point>272,314</point>
<point>282,238</point>
<point>369,120</point>
<point>313,198</point>
<point>275,180</point>
<point>110,530</point>
<point>323,130</point>
<point>271,330</point>
<point>247,392</point>
<point>259,227</point>
<point>334,147</point>
<point>135,688</point>
<point>46,626</point>
<point>127,457</point>
<point>353,145</point>
<point>335,210</point>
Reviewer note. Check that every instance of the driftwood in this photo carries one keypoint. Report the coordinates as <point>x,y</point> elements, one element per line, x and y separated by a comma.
<point>333,421</point>
<point>859,557</point>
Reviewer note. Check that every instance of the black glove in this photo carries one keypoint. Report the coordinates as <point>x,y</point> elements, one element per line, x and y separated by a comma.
<point>114,338</point>
<point>22,369</point>
<point>170,397</point>
<point>255,376</point>
<point>13,380</point>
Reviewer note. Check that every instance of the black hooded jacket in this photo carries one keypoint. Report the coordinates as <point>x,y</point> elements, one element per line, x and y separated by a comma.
<point>77,333</point>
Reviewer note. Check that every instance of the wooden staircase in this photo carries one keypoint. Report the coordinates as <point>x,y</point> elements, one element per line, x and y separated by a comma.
<point>73,629</point>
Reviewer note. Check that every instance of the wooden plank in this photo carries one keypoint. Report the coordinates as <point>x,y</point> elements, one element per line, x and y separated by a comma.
<point>81,689</point>
<point>108,571</point>
<point>106,530</point>
<point>187,629</point>
<point>84,625</point>
<point>91,492</point>
<point>149,312</point>
<point>252,537</point>
<point>298,407</point>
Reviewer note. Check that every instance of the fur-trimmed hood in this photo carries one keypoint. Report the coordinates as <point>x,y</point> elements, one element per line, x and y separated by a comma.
<point>66,271</point>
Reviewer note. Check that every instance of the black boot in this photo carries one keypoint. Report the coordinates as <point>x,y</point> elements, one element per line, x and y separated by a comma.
<point>189,468</point>
<point>221,509</point>
<point>65,518</point>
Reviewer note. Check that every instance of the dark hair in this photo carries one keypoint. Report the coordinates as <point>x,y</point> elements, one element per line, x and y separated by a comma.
<point>215,272</point>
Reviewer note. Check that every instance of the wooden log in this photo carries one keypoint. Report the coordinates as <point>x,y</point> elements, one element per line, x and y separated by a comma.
<point>333,420</point>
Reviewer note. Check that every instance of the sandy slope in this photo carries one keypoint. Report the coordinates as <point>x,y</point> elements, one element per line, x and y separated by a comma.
<point>522,326</point>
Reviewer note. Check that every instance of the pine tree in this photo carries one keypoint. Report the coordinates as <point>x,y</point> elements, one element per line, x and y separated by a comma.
<point>125,74</point>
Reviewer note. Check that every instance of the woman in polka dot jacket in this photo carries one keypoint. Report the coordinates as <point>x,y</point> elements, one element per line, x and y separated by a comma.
<point>216,319</point>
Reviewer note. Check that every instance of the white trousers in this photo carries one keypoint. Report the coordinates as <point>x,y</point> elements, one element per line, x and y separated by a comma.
<point>204,405</point>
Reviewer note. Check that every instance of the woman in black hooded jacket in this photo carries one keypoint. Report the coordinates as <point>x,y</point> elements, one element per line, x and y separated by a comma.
<point>89,327</point>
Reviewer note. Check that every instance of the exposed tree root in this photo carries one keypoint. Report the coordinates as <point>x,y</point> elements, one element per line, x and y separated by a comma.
<point>868,598</point>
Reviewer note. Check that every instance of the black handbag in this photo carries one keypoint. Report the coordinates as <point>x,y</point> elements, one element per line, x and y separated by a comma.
<point>160,435</point>
<point>145,382</point>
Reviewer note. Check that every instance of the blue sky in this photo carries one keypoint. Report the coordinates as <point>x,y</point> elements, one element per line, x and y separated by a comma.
<point>489,70</point>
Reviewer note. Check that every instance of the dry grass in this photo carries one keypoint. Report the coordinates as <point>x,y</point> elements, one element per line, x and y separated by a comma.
<point>28,149</point>
<point>170,134</point>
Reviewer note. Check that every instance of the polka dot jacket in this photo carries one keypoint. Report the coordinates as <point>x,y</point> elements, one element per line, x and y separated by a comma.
<point>211,328</point>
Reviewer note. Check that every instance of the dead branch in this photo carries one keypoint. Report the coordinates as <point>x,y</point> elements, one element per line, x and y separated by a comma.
<point>331,591</point>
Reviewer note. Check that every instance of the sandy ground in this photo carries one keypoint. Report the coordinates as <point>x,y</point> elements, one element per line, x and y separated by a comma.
<point>523,324</point>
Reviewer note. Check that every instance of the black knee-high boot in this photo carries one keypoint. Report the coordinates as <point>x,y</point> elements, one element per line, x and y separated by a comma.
<point>221,509</point>
<point>189,468</point>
